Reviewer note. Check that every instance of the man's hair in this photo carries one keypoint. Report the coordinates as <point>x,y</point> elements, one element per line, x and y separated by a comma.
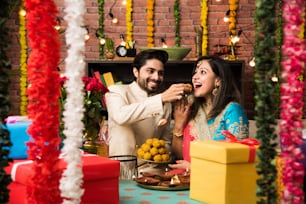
<point>145,55</point>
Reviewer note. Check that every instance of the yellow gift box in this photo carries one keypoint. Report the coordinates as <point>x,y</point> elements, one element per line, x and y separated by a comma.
<point>221,172</point>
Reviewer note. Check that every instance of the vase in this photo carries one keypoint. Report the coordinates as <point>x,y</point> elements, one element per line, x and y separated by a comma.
<point>90,147</point>
<point>131,53</point>
<point>89,144</point>
<point>109,54</point>
<point>102,148</point>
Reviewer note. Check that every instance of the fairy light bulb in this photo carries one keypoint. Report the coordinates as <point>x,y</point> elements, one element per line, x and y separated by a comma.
<point>57,27</point>
<point>274,78</point>
<point>22,12</point>
<point>102,41</point>
<point>252,62</point>
<point>226,17</point>
<point>235,39</point>
<point>87,36</point>
<point>114,20</point>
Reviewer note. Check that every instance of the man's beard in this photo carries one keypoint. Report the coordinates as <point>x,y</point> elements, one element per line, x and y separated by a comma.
<point>156,90</point>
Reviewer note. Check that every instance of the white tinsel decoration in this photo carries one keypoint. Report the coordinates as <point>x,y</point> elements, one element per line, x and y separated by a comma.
<point>72,178</point>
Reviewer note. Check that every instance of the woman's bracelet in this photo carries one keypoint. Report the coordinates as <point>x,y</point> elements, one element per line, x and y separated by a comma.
<point>177,134</point>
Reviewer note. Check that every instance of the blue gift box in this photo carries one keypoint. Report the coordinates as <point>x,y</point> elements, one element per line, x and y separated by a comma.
<point>19,136</point>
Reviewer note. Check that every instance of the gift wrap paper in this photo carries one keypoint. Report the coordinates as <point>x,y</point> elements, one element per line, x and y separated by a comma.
<point>101,179</point>
<point>221,173</point>
<point>19,137</point>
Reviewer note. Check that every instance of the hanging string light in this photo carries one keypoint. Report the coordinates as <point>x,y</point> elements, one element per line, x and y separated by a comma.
<point>110,13</point>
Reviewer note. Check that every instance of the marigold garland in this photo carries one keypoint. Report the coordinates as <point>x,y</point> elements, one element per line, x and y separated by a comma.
<point>279,180</point>
<point>23,60</point>
<point>292,101</point>
<point>233,6</point>
<point>129,24</point>
<point>302,31</point>
<point>204,14</point>
<point>150,23</point>
<point>43,105</point>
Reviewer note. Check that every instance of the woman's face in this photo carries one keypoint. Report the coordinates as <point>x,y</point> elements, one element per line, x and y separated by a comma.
<point>204,80</point>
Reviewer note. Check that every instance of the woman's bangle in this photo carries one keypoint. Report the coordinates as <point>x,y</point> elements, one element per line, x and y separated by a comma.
<point>177,134</point>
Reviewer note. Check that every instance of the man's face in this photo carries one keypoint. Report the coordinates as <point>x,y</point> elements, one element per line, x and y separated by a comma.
<point>150,76</point>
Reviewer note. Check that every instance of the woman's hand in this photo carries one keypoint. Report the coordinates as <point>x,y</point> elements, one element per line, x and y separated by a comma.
<point>181,115</point>
<point>180,164</point>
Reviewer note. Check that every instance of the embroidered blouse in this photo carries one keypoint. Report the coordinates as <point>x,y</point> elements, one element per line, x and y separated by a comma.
<point>232,118</point>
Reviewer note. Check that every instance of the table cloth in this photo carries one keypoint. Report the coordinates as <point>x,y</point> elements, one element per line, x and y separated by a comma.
<point>131,193</point>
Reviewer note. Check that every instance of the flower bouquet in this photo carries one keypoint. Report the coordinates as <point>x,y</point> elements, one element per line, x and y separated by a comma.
<point>93,104</point>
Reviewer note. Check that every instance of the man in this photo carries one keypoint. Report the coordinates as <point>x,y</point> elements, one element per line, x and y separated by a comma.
<point>138,111</point>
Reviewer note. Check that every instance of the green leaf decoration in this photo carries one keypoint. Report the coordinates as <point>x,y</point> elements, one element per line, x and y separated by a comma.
<point>100,31</point>
<point>176,14</point>
<point>265,98</point>
<point>5,66</point>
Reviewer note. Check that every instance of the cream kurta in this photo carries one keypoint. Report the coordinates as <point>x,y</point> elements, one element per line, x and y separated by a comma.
<point>133,117</point>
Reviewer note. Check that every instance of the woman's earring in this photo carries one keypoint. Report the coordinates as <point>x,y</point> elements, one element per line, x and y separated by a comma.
<point>215,91</point>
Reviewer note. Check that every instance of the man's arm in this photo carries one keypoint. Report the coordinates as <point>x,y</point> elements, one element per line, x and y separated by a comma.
<point>124,111</point>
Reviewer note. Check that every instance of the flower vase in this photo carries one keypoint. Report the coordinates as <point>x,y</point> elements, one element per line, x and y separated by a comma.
<point>102,148</point>
<point>89,144</point>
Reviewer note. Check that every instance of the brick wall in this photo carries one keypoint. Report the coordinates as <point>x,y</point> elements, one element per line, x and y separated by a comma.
<point>164,26</point>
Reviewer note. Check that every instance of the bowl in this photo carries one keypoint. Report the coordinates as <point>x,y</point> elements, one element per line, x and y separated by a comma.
<point>175,53</point>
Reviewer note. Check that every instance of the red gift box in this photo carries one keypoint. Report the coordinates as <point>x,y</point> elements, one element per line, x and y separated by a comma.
<point>101,179</point>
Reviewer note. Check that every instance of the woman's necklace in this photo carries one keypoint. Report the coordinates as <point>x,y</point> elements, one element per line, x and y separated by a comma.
<point>202,124</point>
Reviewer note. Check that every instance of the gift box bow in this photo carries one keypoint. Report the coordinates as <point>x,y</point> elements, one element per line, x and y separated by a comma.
<point>251,142</point>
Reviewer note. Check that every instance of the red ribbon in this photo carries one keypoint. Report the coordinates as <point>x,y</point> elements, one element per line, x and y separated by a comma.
<point>251,142</point>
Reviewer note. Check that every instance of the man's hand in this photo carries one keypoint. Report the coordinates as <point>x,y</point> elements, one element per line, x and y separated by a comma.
<point>176,92</point>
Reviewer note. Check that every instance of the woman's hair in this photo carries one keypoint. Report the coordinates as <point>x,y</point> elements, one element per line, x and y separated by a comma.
<point>227,91</point>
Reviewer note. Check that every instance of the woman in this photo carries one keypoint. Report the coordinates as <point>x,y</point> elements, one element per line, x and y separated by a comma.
<point>215,107</point>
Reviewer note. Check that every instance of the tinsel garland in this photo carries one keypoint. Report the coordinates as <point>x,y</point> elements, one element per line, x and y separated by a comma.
<point>23,60</point>
<point>265,45</point>
<point>100,31</point>
<point>43,105</point>
<point>150,23</point>
<point>129,23</point>
<point>72,178</point>
<point>204,15</point>
<point>176,14</point>
<point>293,64</point>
